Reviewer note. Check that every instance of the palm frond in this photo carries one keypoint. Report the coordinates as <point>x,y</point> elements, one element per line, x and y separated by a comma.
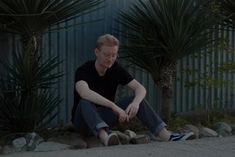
<point>227,10</point>
<point>32,76</point>
<point>165,29</point>
<point>32,115</point>
<point>27,102</point>
<point>32,17</point>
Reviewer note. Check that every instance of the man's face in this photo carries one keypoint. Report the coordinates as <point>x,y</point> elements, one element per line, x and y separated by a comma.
<point>106,55</point>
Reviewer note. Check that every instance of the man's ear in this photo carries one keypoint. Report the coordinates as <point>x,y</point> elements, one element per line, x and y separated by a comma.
<point>96,51</point>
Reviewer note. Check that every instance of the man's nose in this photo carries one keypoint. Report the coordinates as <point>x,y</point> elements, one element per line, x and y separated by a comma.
<point>110,59</point>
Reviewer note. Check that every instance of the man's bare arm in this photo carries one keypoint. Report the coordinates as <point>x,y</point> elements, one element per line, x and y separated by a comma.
<point>86,93</point>
<point>139,90</point>
<point>140,93</point>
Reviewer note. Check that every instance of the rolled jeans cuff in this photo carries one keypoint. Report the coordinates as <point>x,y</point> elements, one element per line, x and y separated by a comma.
<point>159,128</point>
<point>98,127</point>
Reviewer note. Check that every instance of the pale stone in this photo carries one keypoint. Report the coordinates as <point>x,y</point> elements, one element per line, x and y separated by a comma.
<point>207,132</point>
<point>223,129</point>
<point>233,129</point>
<point>19,142</point>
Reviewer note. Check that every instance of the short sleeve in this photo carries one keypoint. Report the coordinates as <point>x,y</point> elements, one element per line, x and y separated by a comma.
<point>81,74</point>
<point>124,76</point>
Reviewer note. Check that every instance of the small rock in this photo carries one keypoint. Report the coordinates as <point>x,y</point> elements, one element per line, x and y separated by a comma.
<point>19,142</point>
<point>207,132</point>
<point>223,129</point>
<point>233,129</point>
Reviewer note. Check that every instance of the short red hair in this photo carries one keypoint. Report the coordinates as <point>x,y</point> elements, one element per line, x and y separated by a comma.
<point>108,40</point>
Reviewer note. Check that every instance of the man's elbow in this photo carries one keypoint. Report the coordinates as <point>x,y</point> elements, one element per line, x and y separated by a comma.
<point>83,94</point>
<point>144,91</point>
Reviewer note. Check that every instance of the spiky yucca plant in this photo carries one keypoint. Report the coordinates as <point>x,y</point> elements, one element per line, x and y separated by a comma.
<point>227,10</point>
<point>160,32</point>
<point>26,100</point>
<point>30,18</point>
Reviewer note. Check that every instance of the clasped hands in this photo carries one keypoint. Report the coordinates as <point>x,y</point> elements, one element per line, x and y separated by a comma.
<point>128,114</point>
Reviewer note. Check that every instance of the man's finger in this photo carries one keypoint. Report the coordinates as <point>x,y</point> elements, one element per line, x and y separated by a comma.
<point>128,110</point>
<point>127,118</point>
<point>133,113</point>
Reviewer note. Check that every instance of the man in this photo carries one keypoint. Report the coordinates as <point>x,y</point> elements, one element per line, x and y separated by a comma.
<point>94,108</point>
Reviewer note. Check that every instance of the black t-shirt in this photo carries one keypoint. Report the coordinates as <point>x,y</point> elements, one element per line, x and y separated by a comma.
<point>104,85</point>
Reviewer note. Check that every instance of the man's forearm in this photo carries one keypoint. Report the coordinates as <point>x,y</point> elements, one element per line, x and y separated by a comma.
<point>139,95</point>
<point>98,99</point>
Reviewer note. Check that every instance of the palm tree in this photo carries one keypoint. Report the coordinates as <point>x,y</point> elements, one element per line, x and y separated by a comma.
<point>27,103</point>
<point>227,11</point>
<point>159,33</point>
<point>30,18</point>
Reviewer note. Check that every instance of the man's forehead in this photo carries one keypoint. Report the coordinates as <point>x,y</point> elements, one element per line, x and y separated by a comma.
<point>106,48</point>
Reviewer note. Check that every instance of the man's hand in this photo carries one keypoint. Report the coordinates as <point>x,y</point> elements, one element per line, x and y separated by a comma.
<point>123,116</point>
<point>132,110</point>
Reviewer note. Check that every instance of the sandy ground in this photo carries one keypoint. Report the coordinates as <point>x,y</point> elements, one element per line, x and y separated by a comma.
<point>205,147</point>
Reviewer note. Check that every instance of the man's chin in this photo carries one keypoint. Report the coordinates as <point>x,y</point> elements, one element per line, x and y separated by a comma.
<point>108,66</point>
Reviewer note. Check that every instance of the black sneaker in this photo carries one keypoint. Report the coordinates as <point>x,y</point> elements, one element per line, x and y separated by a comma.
<point>181,137</point>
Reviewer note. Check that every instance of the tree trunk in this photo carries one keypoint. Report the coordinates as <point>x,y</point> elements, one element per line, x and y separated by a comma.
<point>30,95</point>
<point>165,79</point>
<point>167,99</point>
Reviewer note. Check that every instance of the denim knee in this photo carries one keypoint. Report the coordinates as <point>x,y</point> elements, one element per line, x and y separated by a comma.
<point>150,118</point>
<point>84,119</point>
<point>83,103</point>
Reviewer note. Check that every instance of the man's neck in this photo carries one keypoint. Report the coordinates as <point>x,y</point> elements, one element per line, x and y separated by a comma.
<point>100,70</point>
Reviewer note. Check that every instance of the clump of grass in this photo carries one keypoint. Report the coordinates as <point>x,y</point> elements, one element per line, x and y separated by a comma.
<point>177,122</point>
<point>210,118</point>
<point>219,116</point>
<point>134,125</point>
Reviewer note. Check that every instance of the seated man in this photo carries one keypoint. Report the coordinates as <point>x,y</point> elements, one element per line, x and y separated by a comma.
<point>94,108</point>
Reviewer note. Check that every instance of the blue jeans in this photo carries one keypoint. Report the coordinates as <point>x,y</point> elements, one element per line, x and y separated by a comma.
<point>90,118</point>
